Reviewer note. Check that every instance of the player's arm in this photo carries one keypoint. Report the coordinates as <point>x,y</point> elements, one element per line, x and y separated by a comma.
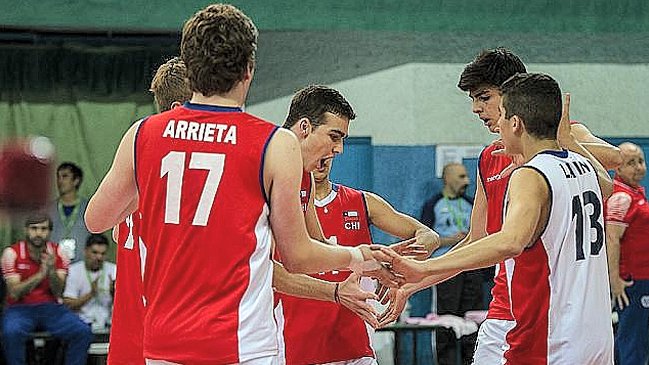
<point>614,233</point>
<point>607,154</point>
<point>568,140</point>
<point>527,214</point>
<point>389,220</point>
<point>18,289</point>
<point>116,196</point>
<point>56,280</point>
<point>313,226</point>
<point>302,286</point>
<point>15,287</point>
<point>300,253</point>
<point>617,208</point>
<point>348,293</point>
<point>478,229</point>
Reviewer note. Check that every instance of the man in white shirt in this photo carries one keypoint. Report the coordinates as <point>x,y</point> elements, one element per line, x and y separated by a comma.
<point>89,286</point>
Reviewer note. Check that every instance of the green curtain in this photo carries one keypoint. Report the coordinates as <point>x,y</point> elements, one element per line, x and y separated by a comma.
<point>536,16</point>
<point>84,132</point>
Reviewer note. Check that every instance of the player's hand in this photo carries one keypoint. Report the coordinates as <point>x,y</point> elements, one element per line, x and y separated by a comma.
<point>517,159</point>
<point>355,299</point>
<point>410,270</point>
<point>398,299</point>
<point>411,248</point>
<point>618,290</point>
<point>47,262</point>
<point>564,136</point>
<point>375,258</point>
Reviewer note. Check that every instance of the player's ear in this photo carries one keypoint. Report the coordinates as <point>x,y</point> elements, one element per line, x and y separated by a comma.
<point>517,124</point>
<point>305,127</point>
<point>175,104</point>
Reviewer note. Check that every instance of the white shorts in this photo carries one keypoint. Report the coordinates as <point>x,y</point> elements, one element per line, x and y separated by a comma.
<point>492,342</point>
<point>267,360</point>
<point>359,361</point>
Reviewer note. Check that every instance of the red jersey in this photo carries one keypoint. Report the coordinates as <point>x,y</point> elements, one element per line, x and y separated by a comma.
<point>490,168</point>
<point>128,305</point>
<point>628,207</point>
<point>305,190</point>
<point>208,275</point>
<point>318,332</point>
<point>16,262</point>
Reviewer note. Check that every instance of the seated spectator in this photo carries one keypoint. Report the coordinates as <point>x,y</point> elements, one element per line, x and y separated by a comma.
<point>89,286</point>
<point>34,271</point>
<point>69,228</point>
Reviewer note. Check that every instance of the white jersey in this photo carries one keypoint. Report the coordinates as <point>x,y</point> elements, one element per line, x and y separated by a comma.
<point>559,285</point>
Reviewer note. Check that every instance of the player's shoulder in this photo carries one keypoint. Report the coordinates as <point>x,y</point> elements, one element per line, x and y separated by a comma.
<point>487,159</point>
<point>14,246</point>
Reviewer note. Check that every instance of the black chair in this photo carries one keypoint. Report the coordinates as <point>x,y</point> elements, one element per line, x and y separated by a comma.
<point>44,349</point>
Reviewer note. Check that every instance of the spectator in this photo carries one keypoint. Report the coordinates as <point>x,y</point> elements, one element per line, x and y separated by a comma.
<point>34,271</point>
<point>627,222</point>
<point>69,229</point>
<point>449,214</point>
<point>89,286</point>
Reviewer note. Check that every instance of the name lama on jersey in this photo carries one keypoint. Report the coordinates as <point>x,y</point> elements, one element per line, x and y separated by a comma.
<point>202,132</point>
<point>574,169</point>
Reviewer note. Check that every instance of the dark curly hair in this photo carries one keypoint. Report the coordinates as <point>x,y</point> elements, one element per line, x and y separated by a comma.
<point>313,101</point>
<point>490,68</point>
<point>218,45</point>
<point>170,84</point>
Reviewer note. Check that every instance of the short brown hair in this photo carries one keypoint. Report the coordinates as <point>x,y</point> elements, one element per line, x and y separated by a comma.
<point>314,101</point>
<point>536,99</point>
<point>218,45</point>
<point>38,217</point>
<point>170,84</point>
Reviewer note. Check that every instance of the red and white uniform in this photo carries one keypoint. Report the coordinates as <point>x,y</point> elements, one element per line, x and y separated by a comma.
<point>128,304</point>
<point>305,190</point>
<point>318,332</point>
<point>628,207</point>
<point>208,275</point>
<point>490,168</point>
<point>559,285</point>
<point>16,262</point>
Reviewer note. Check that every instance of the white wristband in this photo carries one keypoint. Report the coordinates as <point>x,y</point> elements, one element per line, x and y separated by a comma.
<point>359,265</point>
<point>357,256</point>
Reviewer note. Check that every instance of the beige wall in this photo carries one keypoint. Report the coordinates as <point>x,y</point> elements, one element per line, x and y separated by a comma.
<point>417,104</point>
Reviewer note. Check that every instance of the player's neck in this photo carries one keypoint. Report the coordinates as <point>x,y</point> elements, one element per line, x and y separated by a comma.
<point>70,198</point>
<point>35,251</point>
<point>533,146</point>
<point>233,98</point>
<point>322,190</point>
<point>449,193</point>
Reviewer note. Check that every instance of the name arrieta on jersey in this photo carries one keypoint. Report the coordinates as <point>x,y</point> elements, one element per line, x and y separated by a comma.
<point>202,132</point>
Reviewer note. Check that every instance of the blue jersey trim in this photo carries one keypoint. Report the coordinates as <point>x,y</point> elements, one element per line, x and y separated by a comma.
<point>212,108</point>
<point>560,154</point>
<point>137,134</point>
<point>368,220</point>
<point>261,168</point>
